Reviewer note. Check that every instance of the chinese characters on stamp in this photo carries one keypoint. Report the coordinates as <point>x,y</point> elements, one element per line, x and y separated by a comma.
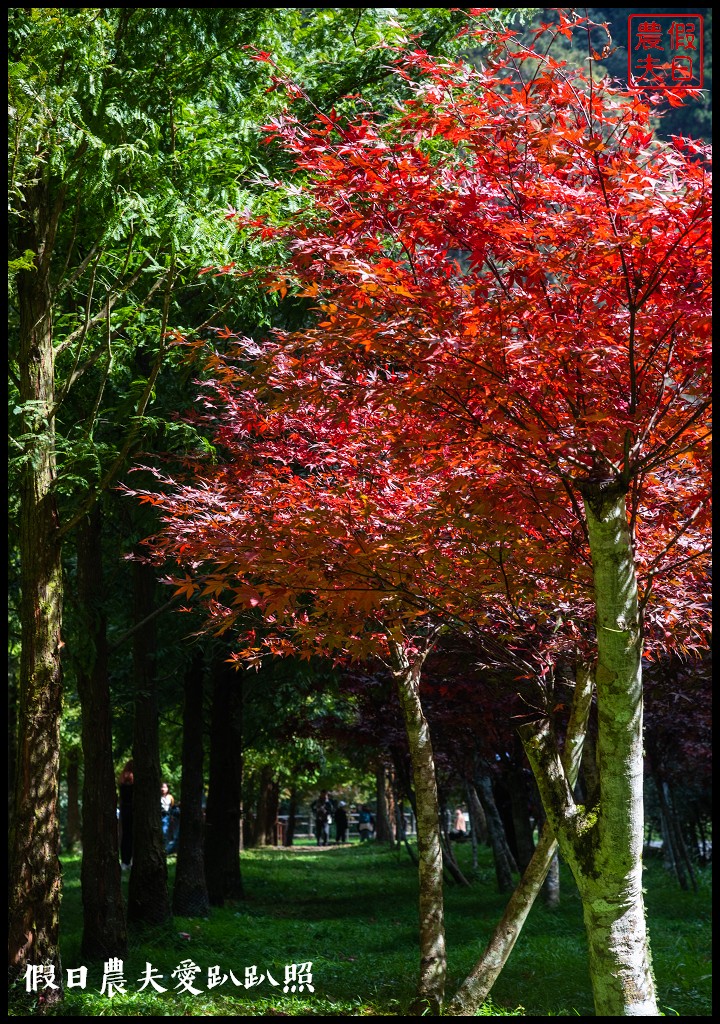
<point>665,51</point>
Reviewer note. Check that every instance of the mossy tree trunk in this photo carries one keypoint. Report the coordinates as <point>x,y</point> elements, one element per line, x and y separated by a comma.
<point>433,962</point>
<point>603,844</point>
<point>34,867</point>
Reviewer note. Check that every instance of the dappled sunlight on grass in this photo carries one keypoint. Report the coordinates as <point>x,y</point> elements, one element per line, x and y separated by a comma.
<point>352,912</point>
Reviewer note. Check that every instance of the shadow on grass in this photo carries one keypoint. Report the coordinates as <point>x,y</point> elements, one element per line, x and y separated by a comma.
<point>351,912</point>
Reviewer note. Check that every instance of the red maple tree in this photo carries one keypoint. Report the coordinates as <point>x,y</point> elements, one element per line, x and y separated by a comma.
<point>504,402</point>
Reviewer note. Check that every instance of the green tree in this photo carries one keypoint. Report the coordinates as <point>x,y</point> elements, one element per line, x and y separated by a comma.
<point>130,128</point>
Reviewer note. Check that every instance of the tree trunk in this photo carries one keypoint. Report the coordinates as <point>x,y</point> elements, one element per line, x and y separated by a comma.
<point>104,928</point>
<point>504,863</point>
<point>603,845</point>
<point>672,835</point>
<point>478,822</point>
<point>473,827</point>
<point>12,739</point>
<point>292,811</point>
<point>433,964</point>
<point>551,887</point>
<point>450,862</point>
<point>34,866</point>
<point>272,808</point>
<point>190,896</point>
<point>222,815</point>
<point>72,775</point>
<point>383,828</point>
<point>148,901</point>
<point>402,783</point>
<point>476,987</point>
<point>520,806</point>
<point>263,830</point>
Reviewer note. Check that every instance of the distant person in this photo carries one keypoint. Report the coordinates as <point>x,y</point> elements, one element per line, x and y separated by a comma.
<point>341,823</point>
<point>167,802</point>
<point>125,806</point>
<point>322,809</point>
<point>459,829</point>
<point>366,823</point>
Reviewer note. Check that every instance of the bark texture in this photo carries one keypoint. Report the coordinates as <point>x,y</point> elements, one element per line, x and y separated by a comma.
<point>610,860</point>
<point>34,867</point>
<point>603,844</point>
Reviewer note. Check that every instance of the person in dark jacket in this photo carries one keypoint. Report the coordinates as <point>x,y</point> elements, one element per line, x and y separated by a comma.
<point>341,823</point>
<point>323,810</point>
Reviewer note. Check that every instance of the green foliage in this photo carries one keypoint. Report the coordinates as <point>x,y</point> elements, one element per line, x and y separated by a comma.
<point>24,262</point>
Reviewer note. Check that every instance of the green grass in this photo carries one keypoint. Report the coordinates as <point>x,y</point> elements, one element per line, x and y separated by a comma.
<point>353,913</point>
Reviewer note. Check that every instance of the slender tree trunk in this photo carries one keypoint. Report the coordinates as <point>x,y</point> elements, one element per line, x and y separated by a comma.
<point>450,862</point>
<point>383,829</point>
<point>476,987</point>
<point>263,836</point>
<point>603,845</point>
<point>402,779</point>
<point>551,886</point>
<point>390,803</point>
<point>478,822</point>
<point>672,835</point>
<point>292,811</point>
<point>190,896</point>
<point>12,739</point>
<point>433,964</point>
<point>104,928</point>
<point>34,866</point>
<point>222,814</point>
<point>271,814</point>
<point>473,827</point>
<point>520,805</point>
<point>148,900</point>
<point>72,775</point>
<point>504,863</point>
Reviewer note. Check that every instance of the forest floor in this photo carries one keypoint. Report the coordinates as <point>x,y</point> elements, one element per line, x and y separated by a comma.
<point>352,916</point>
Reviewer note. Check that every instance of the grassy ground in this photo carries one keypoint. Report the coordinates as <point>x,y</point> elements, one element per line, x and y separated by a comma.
<point>352,912</point>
